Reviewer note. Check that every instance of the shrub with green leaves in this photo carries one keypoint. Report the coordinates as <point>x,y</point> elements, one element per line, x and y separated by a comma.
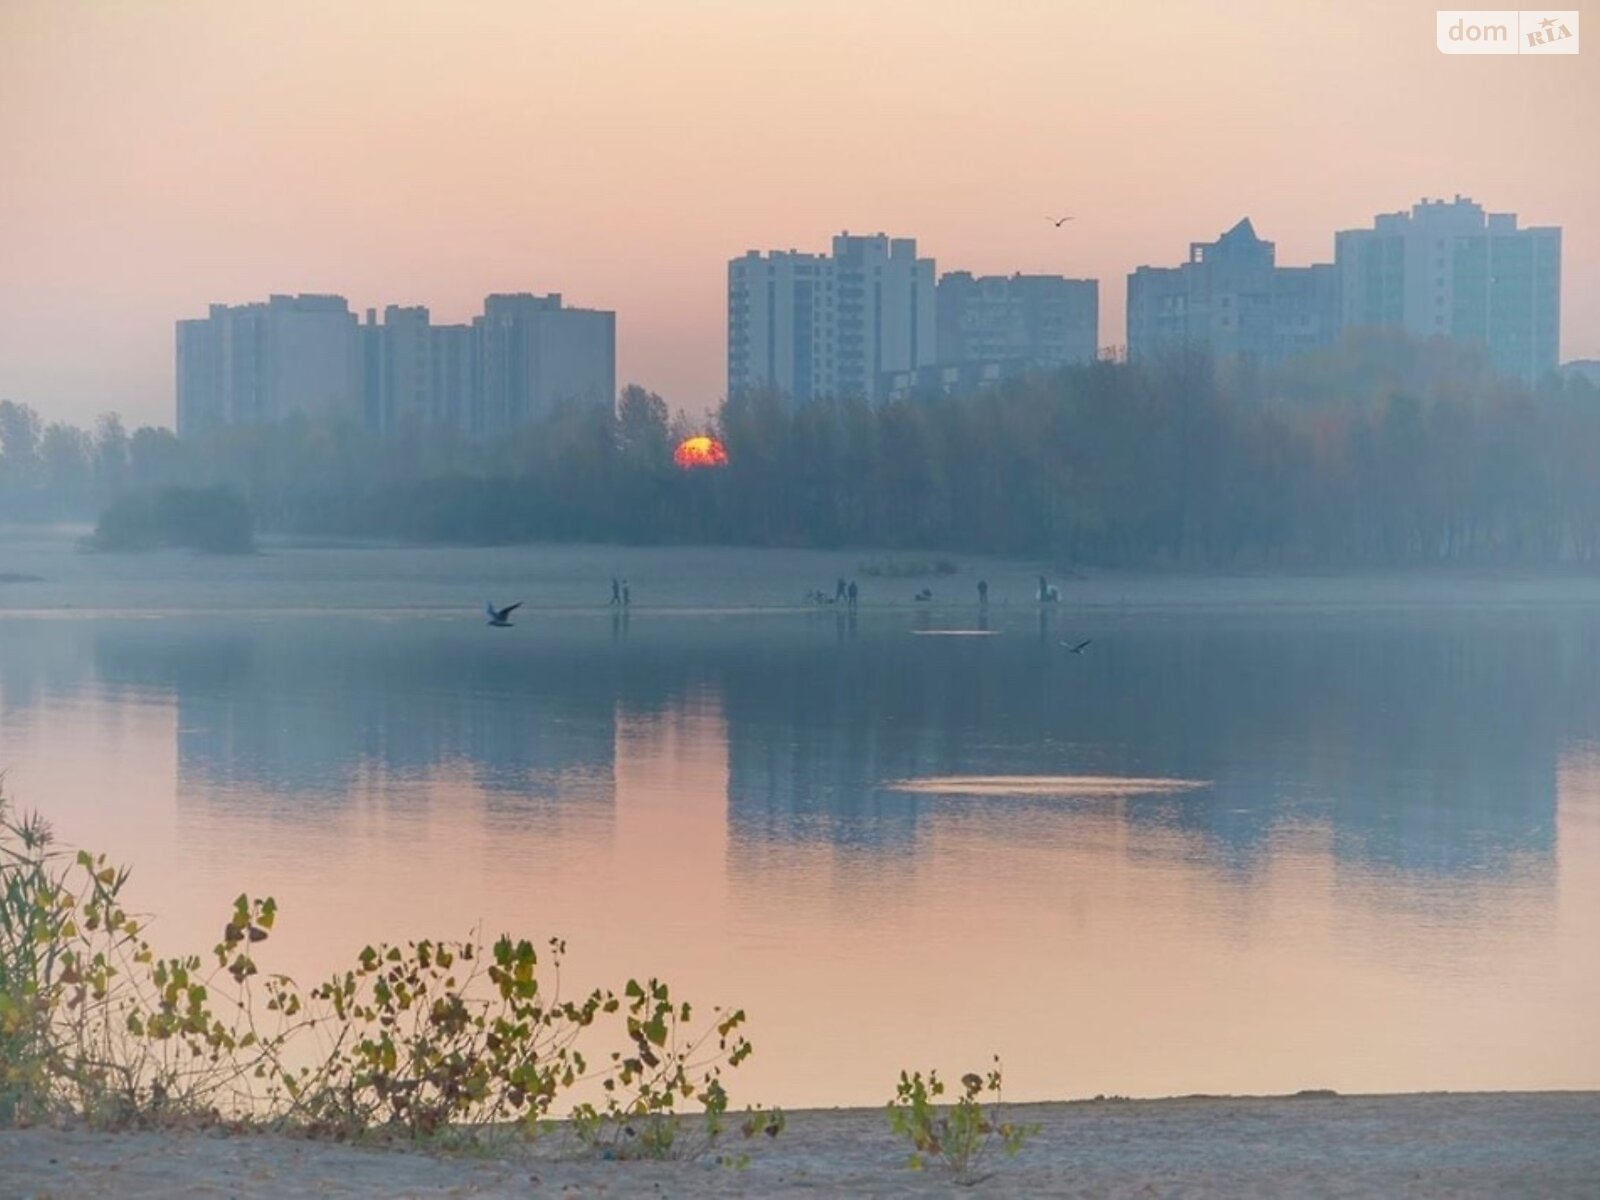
<point>434,1038</point>
<point>453,1039</point>
<point>93,1024</point>
<point>956,1137</point>
<point>667,1065</point>
<point>33,929</point>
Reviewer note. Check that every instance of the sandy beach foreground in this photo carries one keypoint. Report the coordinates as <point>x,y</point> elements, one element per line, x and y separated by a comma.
<point>1502,1144</point>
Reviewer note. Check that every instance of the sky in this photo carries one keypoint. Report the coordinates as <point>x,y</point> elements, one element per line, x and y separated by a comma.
<point>157,157</point>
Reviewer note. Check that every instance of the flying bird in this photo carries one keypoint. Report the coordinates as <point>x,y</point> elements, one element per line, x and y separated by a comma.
<point>1080,647</point>
<point>500,617</point>
<point>1058,222</point>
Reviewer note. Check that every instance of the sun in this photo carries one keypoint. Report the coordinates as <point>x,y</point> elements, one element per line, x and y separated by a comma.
<point>696,453</point>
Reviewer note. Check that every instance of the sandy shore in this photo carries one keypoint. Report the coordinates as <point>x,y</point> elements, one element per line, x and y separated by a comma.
<point>1503,1144</point>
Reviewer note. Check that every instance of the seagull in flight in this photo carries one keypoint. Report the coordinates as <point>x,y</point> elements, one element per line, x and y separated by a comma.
<point>500,618</point>
<point>1058,222</point>
<point>1080,647</point>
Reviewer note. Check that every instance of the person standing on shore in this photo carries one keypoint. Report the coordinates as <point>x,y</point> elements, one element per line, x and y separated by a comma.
<point>850,592</point>
<point>983,593</point>
<point>616,590</point>
<point>627,595</point>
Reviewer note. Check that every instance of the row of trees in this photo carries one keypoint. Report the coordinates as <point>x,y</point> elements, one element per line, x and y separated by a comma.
<point>1382,450</point>
<point>61,471</point>
<point>1386,451</point>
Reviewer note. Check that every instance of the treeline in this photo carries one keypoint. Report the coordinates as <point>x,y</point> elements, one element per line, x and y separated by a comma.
<point>1382,450</point>
<point>59,471</point>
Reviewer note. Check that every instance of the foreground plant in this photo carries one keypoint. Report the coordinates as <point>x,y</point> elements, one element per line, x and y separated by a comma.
<point>666,1066</point>
<point>92,1023</point>
<point>432,1039</point>
<point>32,936</point>
<point>435,1040</point>
<point>959,1136</point>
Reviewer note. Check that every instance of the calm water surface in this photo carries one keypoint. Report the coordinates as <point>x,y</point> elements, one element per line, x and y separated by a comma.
<point>1365,853</point>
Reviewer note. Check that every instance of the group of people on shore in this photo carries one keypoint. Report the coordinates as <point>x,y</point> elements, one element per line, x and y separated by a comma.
<point>1048,594</point>
<point>846,593</point>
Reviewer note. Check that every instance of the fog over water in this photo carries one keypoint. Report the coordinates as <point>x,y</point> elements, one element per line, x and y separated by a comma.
<point>1263,834</point>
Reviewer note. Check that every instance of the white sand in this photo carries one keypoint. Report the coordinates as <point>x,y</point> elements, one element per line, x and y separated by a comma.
<point>1504,1144</point>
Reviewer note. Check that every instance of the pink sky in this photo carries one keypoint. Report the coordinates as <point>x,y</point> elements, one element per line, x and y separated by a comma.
<point>155,157</point>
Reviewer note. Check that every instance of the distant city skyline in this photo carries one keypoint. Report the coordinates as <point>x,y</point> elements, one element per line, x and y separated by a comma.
<point>163,156</point>
<point>876,320</point>
<point>261,362</point>
<point>1443,268</point>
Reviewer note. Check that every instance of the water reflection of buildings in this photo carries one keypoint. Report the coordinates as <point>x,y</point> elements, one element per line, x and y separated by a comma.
<point>41,663</point>
<point>300,714</point>
<point>1389,884</point>
<point>670,834</point>
<point>1420,751</point>
<point>1422,747</point>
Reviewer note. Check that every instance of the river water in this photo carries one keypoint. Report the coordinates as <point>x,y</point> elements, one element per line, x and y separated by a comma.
<point>1260,835</point>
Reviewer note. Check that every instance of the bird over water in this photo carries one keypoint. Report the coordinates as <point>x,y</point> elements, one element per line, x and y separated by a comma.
<point>500,617</point>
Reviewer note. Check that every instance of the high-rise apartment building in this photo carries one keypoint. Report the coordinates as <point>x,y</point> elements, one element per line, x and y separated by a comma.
<point>781,332</point>
<point>1449,269</point>
<point>1232,299</point>
<point>452,376</point>
<point>810,326</point>
<point>1041,320</point>
<point>534,354</point>
<point>259,363</point>
<point>885,319</point>
<point>405,396</point>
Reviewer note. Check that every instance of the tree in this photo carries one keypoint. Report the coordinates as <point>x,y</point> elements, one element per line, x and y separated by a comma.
<point>66,453</point>
<point>19,444</point>
<point>642,428</point>
<point>155,458</point>
<point>110,454</point>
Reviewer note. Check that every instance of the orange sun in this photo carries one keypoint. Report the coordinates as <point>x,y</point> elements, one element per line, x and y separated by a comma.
<point>697,452</point>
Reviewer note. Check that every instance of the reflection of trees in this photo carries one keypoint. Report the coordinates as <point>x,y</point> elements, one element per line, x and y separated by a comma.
<point>1421,743</point>
<point>1421,746</point>
<point>40,662</point>
<point>311,708</point>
